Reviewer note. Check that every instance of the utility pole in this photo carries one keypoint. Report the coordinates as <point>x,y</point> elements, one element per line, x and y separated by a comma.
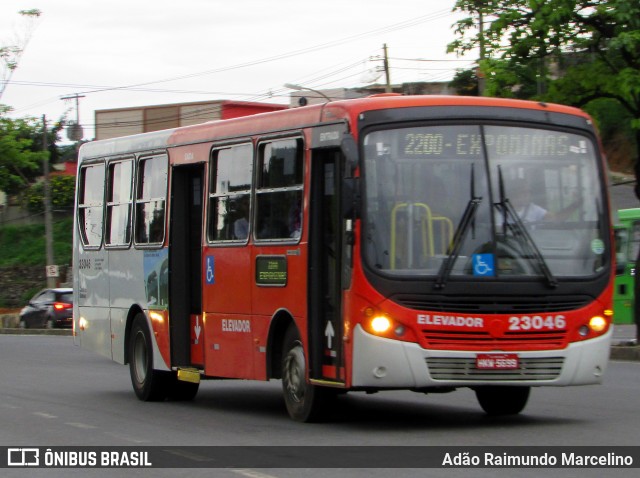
<point>74,131</point>
<point>387,73</point>
<point>51,269</point>
<point>483,51</point>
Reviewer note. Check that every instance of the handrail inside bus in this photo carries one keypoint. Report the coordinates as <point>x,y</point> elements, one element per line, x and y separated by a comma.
<point>427,228</point>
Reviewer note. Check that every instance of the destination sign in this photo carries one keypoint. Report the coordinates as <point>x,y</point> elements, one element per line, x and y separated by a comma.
<point>466,142</point>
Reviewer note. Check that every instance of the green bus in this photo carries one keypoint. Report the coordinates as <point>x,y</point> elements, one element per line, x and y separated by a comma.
<point>627,238</point>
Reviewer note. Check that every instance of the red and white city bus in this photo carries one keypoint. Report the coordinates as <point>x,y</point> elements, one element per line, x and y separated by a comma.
<point>393,242</point>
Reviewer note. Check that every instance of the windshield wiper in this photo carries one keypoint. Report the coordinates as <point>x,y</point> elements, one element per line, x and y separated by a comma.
<point>519,231</point>
<point>462,229</point>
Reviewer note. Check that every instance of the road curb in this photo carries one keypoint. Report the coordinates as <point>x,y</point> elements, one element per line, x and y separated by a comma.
<point>625,352</point>
<point>8,331</point>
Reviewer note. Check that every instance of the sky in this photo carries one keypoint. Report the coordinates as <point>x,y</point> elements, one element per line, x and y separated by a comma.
<point>125,53</point>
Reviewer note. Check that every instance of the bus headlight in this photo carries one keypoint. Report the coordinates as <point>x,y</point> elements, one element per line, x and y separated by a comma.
<point>380,324</point>
<point>598,324</point>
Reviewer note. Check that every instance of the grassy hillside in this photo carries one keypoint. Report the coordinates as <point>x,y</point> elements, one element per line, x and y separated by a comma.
<point>26,244</point>
<point>23,257</point>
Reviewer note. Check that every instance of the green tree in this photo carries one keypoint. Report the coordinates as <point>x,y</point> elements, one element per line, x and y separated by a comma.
<point>62,194</point>
<point>20,155</point>
<point>465,82</point>
<point>21,150</point>
<point>573,51</point>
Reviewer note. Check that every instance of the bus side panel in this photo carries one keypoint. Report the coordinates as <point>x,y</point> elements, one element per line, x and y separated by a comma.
<point>288,297</point>
<point>126,281</point>
<point>92,297</point>
<point>260,332</point>
<point>95,330</point>
<point>125,290</point>
<point>290,293</point>
<point>228,343</point>
<point>229,346</point>
<point>226,280</point>
<point>118,321</point>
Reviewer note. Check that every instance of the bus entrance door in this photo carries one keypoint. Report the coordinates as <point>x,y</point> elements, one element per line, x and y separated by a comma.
<point>185,251</point>
<point>326,353</point>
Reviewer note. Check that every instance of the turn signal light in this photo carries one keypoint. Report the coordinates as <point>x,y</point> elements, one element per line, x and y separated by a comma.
<point>156,316</point>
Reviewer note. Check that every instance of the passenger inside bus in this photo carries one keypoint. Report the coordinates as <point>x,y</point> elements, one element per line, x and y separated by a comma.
<point>241,224</point>
<point>521,196</point>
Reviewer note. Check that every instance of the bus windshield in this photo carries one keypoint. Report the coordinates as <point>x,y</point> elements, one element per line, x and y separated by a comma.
<point>483,201</point>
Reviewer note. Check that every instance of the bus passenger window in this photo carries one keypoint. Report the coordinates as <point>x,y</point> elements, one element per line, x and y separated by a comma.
<point>118,226</point>
<point>150,200</point>
<point>279,191</point>
<point>230,193</point>
<point>90,204</point>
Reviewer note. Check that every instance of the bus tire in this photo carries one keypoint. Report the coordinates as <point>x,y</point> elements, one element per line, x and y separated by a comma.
<point>305,402</point>
<point>149,385</point>
<point>497,401</point>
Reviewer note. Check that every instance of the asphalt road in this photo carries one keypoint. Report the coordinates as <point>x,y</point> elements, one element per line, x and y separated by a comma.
<point>55,394</point>
<point>622,196</point>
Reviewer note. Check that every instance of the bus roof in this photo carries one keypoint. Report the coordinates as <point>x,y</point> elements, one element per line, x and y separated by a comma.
<point>299,118</point>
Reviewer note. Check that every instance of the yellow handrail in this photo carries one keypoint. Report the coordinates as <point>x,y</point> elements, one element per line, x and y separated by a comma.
<point>428,242</point>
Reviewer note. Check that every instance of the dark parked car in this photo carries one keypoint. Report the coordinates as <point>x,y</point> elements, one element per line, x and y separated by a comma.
<point>49,308</point>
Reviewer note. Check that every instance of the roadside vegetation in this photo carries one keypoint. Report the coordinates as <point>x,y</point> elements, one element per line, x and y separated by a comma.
<point>25,245</point>
<point>22,259</point>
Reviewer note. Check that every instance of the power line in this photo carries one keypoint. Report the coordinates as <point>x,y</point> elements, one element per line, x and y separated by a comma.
<point>412,22</point>
<point>145,90</point>
<point>431,60</point>
<point>390,28</point>
<point>213,109</point>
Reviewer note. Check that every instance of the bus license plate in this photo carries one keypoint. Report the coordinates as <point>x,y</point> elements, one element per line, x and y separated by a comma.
<point>497,361</point>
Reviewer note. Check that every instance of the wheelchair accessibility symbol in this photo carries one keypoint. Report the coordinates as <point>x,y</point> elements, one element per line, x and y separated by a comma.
<point>210,276</point>
<point>483,265</point>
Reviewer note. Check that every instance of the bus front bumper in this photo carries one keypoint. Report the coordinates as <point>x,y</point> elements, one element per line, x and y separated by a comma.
<point>380,363</point>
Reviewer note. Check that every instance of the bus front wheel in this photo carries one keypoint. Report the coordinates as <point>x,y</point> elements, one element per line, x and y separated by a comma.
<point>496,401</point>
<point>149,384</point>
<point>305,402</point>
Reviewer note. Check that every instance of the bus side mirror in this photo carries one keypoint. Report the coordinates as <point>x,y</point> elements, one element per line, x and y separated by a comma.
<point>350,151</point>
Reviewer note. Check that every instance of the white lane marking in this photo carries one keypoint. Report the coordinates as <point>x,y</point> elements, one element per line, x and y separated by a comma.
<point>45,415</point>
<point>84,426</point>
<point>252,473</point>
<point>126,438</point>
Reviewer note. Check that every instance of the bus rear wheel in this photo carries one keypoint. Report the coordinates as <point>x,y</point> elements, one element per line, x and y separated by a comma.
<point>497,401</point>
<point>149,385</point>
<point>305,402</point>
